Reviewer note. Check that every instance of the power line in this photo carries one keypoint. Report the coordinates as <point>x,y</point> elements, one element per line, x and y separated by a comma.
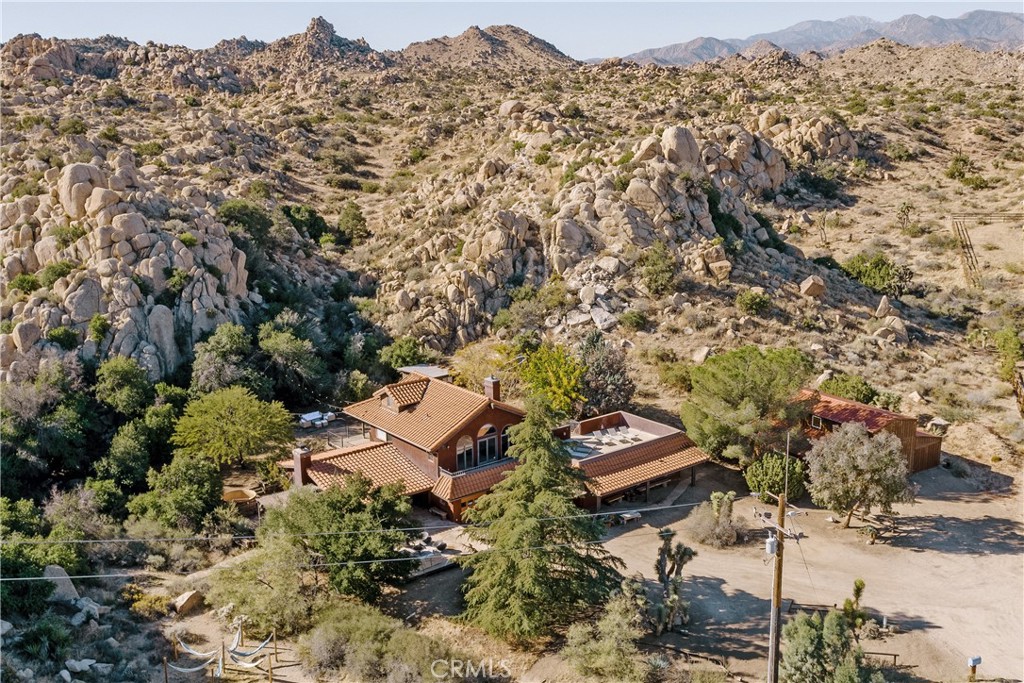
<point>319,565</point>
<point>353,532</point>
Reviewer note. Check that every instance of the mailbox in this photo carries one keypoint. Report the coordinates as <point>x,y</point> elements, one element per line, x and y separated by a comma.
<point>973,661</point>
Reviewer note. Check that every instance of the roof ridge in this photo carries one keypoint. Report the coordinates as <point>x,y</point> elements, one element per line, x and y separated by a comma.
<point>873,407</point>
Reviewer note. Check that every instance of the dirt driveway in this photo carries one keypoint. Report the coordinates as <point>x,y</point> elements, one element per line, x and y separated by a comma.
<point>952,578</point>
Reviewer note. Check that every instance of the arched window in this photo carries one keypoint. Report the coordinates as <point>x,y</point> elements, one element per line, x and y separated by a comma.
<point>487,444</point>
<point>505,443</point>
<point>464,454</point>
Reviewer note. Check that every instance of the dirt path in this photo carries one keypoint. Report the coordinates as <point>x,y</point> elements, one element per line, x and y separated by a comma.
<point>953,578</point>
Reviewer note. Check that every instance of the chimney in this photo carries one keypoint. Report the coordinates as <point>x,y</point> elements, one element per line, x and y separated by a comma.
<point>300,475</point>
<point>492,388</point>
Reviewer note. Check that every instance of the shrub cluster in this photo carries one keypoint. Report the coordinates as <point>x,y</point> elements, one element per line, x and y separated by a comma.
<point>880,273</point>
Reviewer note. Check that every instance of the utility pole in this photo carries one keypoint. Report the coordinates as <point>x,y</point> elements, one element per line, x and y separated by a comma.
<point>775,635</point>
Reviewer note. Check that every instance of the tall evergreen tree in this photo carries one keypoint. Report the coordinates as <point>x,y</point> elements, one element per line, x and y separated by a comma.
<point>541,562</point>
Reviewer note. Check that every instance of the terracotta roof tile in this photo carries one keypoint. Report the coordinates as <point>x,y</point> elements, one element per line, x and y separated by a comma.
<point>623,469</point>
<point>843,410</point>
<point>453,487</point>
<point>407,393</point>
<point>381,462</point>
<point>441,410</point>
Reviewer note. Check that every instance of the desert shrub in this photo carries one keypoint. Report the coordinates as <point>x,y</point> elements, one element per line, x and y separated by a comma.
<point>55,271</point>
<point>541,158</point>
<point>769,474</point>
<point>404,352</point>
<point>658,269</point>
<point>110,134</point>
<point>726,225</point>
<point>634,320</point>
<point>306,220</point>
<point>24,283</point>
<point>821,180</point>
<point>572,110</point>
<point>63,337</point>
<point>417,155</point>
<point>712,522</point>
<point>608,649</point>
<point>148,149</point>
<point>68,234</point>
<point>606,384</point>
<point>852,387</point>
<point>753,302</point>
<point>675,374</point>
<point>960,166</point>
<point>146,605</point>
<point>98,328</point>
<point>188,239</point>
<point>360,642</point>
<point>879,273</point>
<point>47,640</point>
<point>72,126</point>
<point>26,188</point>
<point>1010,350</point>
<point>30,121</point>
<point>248,216</point>
<point>897,151</point>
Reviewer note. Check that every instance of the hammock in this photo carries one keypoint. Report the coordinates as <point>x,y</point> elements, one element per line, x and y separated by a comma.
<point>202,666</point>
<point>250,653</point>
<point>247,665</point>
<point>219,673</point>
<point>189,650</point>
<point>236,640</point>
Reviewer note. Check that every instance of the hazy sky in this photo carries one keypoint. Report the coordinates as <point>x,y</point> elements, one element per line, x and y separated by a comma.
<point>580,29</point>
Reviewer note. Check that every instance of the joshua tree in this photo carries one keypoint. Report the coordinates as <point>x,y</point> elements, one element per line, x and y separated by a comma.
<point>672,610</point>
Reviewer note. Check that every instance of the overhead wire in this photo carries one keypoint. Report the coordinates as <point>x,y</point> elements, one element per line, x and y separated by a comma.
<point>319,565</point>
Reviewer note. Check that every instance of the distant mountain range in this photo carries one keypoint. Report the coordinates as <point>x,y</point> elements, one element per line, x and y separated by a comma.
<point>979,29</point>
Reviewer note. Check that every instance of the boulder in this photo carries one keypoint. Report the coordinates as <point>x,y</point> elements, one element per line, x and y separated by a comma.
<point>609,264</point>
<point>77,666</point>
<point>648,149</point>
<point>680,146</point>
<point>130,225</point>
<point>76,185</point>
<point>884,308</point>
<point>588,295</point>
<point>812,286</point>
<point>510,107</point>
<point>25,334</point>
<point>603,319</point>
<point>720,269</point>
<point>403,300</point>
<point>83,303</point>
<point>188,602</point>
<point>63,588</point>
<point>5,626</point>
<point>161,333</point>
<point>701,354</point>
<point>100,199</point>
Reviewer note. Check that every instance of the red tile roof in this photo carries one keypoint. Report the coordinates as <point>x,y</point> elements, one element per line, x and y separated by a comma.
<point>424,412</point>
<point>453,487</point>
<point>629,467</point>
<point>843,410</point>
<point>382,463</point>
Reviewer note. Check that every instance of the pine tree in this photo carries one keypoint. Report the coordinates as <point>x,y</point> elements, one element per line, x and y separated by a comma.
<point>541,561</point>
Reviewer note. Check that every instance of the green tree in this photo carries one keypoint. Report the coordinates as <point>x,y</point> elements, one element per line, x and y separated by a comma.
<point>851,469</point>
<point>306,220</point>
<point>816,650</point>
<point>770,472</point>
<point>606,385</point>
<point>352,224</point>
<point>741,402</point>
<point>852,387</point>
<point>249,216</point>
<point>182,494</point>
<point>231,425</point>
<point>327,527</point>
<point>404,352</point>
<point>127,461</point>
<point>293,360</point>
<point>553,373</point>
<point>543,563</point>
<point>123,385</point>
<point>608,648</point>
<point>224,360</point>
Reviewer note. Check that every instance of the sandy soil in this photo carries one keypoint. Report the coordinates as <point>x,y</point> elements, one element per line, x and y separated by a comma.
<point>952,577</point>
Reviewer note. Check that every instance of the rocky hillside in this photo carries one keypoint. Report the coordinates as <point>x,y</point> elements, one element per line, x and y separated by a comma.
<point>980,29</point>
<point>506,187</point>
